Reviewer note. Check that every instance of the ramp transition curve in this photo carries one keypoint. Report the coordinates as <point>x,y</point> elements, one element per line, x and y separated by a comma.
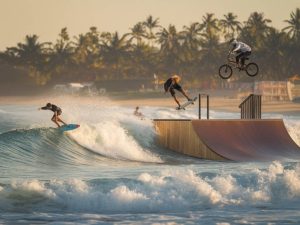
<point>238,140</point>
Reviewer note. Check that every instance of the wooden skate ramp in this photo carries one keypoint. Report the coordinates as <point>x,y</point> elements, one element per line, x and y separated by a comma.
<point>238,140</point>
<point>246,140</point>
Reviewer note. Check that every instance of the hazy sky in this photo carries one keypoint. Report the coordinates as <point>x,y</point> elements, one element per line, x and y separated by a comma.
<point>46,17</point>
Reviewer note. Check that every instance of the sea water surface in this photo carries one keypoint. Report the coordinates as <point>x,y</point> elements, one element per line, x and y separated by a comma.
<point>111,171</point>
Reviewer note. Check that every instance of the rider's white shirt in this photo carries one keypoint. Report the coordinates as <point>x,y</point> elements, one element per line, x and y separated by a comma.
<point>240,46</point>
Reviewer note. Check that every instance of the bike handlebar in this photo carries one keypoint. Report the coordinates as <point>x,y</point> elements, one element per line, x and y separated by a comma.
<point>229,58</point>
<point>229,54</point>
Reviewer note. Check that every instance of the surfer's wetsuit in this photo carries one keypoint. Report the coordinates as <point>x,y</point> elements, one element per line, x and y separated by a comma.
<point>169,85</point>
<point>57,112</point>
<point>53,108</point>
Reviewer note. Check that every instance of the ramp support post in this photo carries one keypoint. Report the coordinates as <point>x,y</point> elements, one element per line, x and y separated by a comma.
<point>207,105</point>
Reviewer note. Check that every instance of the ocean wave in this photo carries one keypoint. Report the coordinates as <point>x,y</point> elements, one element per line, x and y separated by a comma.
<point>108,140</point>
<point>169,191</point>
<point>111,139</point>
<point>37,147</point>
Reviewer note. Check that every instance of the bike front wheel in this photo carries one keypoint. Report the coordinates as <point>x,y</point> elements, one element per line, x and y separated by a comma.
<point>252,69</point>
<point>225,71</point>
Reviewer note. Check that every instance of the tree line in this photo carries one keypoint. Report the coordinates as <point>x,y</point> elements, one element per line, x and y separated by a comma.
<point>196,51</point>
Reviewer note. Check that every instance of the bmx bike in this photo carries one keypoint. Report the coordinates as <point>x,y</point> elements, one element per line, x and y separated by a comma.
<point>225,71</point>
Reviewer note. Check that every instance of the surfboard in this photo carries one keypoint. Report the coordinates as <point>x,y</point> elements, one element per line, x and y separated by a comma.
<point>186,104</point>
<point>69,127</point>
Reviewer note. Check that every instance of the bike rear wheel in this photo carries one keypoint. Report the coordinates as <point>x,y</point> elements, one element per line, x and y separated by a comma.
<point>252,69</point>
<point>225,71</point>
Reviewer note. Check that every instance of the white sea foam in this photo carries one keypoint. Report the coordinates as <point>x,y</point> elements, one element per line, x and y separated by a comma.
<point>171,190</point>
<point>152,180</point>
<point>110,139</point>
<point>113,132</point>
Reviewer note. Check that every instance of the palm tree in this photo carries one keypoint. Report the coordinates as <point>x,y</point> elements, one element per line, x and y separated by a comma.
<point>138,32</point>
<point>32,55</point>
<point>210,54</point>
<point>191,42</point>
<point>210,42</point>
<point>191,36</point>
<point>210,24</point>
<point>93,47</point>
<point>170,48</point>
<point>293,45</point>
<point>274,55</point>
<point>151,24</point>
<point>29,53</point>
<point>114,50</point>
<point>169,39</point>
<point>230,26</point>
<point>294,25</point>
<point>80,49</point>
<point>62,52</point>
<point>143,61</point>
<point>256,29</point>
<point>63,44</point>
<point>93,39</point>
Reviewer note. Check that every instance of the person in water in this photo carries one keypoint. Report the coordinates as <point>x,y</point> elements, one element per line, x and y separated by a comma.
<point>57,112</point>
<point>137,113</point>
<point>173,83</point>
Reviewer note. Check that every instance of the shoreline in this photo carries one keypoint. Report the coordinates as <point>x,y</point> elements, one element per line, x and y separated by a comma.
<point>215,103</point>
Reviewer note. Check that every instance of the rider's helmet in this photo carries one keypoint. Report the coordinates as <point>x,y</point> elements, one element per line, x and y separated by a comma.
<point>49,105</point>
<point>233,42</point>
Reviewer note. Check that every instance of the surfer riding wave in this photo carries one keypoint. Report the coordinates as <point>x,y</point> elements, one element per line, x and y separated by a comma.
<point>57,112</point>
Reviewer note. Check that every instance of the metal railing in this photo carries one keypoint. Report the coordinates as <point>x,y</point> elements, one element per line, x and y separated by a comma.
<point>251,107</point>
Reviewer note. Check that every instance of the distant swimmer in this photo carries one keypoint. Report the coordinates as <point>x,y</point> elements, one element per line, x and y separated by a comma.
<point>57,112</point>
<point>171,84</point>
<point>137,113</point>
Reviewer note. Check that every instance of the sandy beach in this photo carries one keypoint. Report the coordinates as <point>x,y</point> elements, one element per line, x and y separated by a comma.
<point>215,103</point>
